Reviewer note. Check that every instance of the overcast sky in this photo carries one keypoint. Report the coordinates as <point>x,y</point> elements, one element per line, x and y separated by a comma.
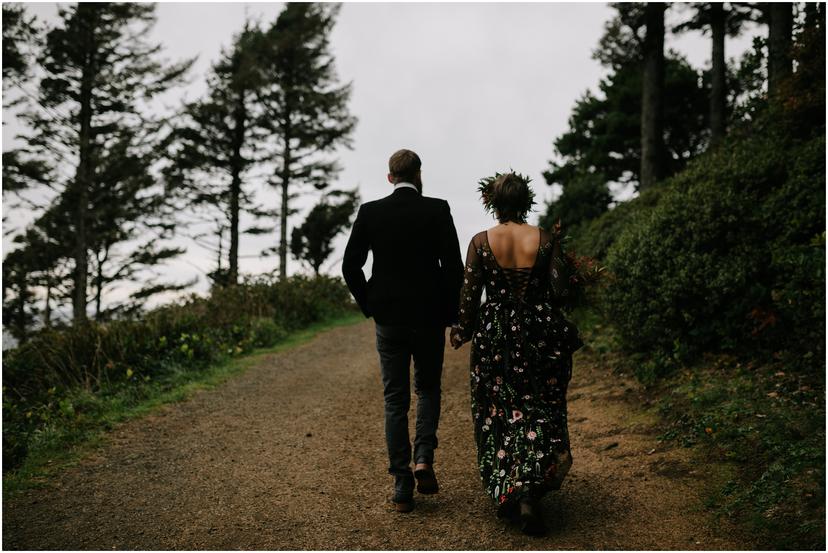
<point>473,88</point>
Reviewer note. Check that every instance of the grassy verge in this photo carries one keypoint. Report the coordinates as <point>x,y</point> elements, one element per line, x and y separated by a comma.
<point>62,446</point>
<point>755,426</point>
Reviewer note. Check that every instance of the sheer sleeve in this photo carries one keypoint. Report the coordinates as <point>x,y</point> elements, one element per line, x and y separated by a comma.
<point>559,268</point>
<point>471,291</point>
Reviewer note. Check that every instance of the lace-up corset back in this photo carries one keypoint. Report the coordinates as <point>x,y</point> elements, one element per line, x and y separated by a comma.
<point>508,283</point>
<point>541,286</point>
<point>518,278</point>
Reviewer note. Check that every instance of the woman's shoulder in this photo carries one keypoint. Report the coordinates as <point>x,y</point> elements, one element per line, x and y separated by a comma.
<point>547,238</point>
<point>479,239</point>
<point>525,227</point>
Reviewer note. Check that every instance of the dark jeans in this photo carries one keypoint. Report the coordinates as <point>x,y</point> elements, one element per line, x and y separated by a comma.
<point>396,346</point>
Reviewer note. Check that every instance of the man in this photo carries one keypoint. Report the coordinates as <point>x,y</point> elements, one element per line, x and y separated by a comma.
<point>413,295</point>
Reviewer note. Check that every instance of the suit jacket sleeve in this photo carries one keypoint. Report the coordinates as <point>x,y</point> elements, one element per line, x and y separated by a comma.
<point>356,253</point>
<point>451,264</point>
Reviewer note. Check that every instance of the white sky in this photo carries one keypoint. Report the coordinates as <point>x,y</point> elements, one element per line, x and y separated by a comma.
<point>473,88</point>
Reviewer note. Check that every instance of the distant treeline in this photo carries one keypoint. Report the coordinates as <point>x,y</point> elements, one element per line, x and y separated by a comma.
<point>111,181</point>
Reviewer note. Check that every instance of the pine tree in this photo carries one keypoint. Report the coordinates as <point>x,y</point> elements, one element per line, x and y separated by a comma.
<point>603,143</point>
<point>99,70</point>
<point>652,96</point>
<point>304,106</point>
<point>779,16</point>
<point>604,135</point>
<point>40,260</point>
<point>213,144</point>
<point>720,20</point>
<point>129,226</point>
<point>312,241</point>
<point>18,297</point>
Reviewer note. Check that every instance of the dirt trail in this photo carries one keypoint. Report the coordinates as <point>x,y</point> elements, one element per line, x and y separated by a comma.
<point>291,455</point>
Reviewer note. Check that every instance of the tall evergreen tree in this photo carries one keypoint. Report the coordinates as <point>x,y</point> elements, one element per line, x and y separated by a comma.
<point>623,40</point>
<point>304,105</point>
<point>779,16</point>
<point>40,260</point>
<point>718,73</point>
<point>99,69</point>
<point>652,96</point>
<point>604,127</point>
<point>603,143</point>
<point>214,143</point>
<point>128,226</point>
<point>720,19</point>
<point>312,241</point>
<point>18,296</point>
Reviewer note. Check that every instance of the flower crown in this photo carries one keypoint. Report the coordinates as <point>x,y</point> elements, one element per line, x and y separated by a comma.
<point>484,186</point>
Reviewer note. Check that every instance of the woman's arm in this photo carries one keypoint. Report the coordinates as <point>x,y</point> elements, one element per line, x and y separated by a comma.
<point>469,297</point>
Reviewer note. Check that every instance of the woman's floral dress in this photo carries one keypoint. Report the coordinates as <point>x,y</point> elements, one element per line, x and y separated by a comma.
<point>521,364</point>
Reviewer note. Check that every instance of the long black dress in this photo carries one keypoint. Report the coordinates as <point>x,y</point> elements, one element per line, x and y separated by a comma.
<point>521,364</point>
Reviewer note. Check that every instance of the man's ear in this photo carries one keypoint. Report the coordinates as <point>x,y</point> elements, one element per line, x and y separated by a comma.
<point>390,178</point>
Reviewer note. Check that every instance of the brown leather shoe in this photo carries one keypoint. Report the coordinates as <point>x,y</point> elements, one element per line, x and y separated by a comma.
<point>426,480</point>
<point>403,505</point>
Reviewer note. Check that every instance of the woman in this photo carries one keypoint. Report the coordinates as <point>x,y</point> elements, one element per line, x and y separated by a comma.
<point>521,354</point>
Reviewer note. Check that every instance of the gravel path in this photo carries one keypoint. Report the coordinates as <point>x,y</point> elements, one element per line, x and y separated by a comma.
<point>291,455</point>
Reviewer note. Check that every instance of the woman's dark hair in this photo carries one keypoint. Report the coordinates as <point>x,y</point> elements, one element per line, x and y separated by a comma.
<point>509,197</point>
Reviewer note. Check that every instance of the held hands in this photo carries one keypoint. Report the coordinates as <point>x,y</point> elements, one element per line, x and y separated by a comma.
<point>455,337</point>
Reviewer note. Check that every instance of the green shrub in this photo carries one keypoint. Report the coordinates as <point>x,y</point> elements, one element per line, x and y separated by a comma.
<point>267,332</point>
<point>594,238</point>
<point>46,379</point>
<point>732,254</point>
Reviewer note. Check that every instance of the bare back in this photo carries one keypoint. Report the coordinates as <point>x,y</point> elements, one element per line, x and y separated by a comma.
<point>514,245</point>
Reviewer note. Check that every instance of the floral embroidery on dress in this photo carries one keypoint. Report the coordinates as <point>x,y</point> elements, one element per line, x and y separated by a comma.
<point>522,362</point>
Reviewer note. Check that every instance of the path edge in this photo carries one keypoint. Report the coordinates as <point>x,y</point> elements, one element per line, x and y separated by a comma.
<point>39,472</point>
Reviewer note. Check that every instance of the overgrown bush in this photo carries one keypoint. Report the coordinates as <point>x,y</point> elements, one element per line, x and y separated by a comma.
<point>594,237</point>
<point>732,254</point>
<point>46,379</point>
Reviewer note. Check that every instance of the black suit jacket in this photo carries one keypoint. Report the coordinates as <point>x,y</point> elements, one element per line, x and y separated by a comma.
<point>417,271</point>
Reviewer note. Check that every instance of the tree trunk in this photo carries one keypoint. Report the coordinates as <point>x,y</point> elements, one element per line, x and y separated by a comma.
<point>220,233</point>
<point>652,97</point>
<point>239,116</point>
<point>82,182</point>
<point>83,177</point>
<point>718,85</point>
<point>98,288</point>
<point>47,309</point>
<point>283,227</point>
<point>780,27</point>
<point>20,305</point>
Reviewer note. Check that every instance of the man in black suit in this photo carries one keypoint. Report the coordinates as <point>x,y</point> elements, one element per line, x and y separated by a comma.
<point>413,295</point>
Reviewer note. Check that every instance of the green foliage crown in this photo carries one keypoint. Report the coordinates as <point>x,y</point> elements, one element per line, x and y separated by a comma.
<point>484,187</point>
